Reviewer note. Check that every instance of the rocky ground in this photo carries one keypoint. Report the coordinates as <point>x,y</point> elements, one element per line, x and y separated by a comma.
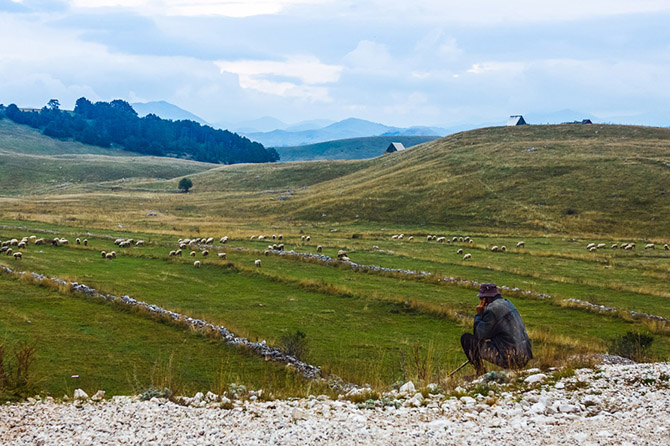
<point>619,404</point>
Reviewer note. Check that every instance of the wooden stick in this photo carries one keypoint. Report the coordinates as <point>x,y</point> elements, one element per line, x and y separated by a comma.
<point>459,368</point>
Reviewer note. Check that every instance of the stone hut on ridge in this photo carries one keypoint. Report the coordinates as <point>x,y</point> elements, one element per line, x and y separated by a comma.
<point>516,120</point>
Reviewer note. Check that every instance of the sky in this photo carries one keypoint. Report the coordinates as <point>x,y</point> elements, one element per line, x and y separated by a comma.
<point>403,63</point>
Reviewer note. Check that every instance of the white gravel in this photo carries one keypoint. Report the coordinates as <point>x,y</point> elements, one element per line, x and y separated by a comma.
<point>610,405</point>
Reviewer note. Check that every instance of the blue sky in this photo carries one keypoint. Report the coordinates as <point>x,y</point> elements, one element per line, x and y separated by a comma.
<point>424,62</point>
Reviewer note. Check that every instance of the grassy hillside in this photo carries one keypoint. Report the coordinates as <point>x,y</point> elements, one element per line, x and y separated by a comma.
<point>348,149</point>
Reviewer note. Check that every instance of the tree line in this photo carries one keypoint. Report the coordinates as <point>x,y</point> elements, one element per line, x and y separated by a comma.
<point>116,124</point>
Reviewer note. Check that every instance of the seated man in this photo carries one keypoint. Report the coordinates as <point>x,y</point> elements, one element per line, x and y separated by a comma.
<point>499,333</point>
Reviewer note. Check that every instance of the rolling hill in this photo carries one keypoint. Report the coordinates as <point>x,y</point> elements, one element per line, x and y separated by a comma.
<point>559,178</point>
<point>348,149</point>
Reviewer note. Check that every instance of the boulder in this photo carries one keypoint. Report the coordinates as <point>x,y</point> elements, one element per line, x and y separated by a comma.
<point>80,395</point>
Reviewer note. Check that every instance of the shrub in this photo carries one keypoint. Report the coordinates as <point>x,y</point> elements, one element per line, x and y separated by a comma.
<point>295,344</point>
<point>16,380</point>
<point>631,345</point>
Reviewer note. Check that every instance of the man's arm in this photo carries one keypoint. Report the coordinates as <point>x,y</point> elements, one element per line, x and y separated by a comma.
<point>484,325</point>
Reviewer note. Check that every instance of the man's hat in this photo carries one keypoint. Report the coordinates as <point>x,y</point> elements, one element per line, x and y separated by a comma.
<point>488,290</point>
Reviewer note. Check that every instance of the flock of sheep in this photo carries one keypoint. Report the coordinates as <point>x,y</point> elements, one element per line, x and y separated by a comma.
<point>593,247</point>
<point>7,247</point>
<point>457,239</point>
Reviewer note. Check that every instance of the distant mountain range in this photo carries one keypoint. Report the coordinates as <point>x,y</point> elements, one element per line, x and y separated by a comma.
<point>346,129</point>
<point>166,110</point>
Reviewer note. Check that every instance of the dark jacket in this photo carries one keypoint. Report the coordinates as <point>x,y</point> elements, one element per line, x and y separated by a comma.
<point>501,323</point>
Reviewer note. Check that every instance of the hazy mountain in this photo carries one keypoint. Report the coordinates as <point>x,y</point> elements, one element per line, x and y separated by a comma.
<point>308,125</point>
<point>165,110</point>
<point>346,129</point>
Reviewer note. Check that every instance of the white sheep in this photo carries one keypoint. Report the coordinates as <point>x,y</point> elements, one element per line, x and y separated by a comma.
<point>9,251</point>
<point>39,241</point>
<point>649,246</point>
<point>467,256</point>
<point>614,246</point>
<point>593,249</point>
<point>460,251</point>
<point>192,254</point>
<point>503,248</point>
<point>205,253</point>
<point>196,263</point>
<point>85,242</point>
<point>171,254</point>
<point>63,241</point>
<point>666,247</point>
<point>78,241</point>
<point>345,259</point>
<point>139,243</point>
<point>341,253</point>
<point>257,262</point>
<point>590,245</point>
<point>429,237</point>
<point>266,252</point>
<point>628,247</point>
<point>441,239</point>
<point>18,255</point>
<point>280,237</point>
<point>104,254</point>
<point>401,236</point>
<point>109,256</point>
<point>521,245</point>
<point>394,237</point>
<point>319,248</point>
<point>454,239</point>
<point>21,245</point>
<point>210,240</point>
<point>308,238</point>
<point>113,253</point>
<point>410,238</point>
<point>494,248</point>
<point>222,255</point>
<point>178,252</point>
<point>601,246</point>
<point>224,239</point>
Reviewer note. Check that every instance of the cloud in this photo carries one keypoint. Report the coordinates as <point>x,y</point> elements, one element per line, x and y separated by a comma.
<point>195,8</point>
<point>299,77</point>
<point>369,56</point>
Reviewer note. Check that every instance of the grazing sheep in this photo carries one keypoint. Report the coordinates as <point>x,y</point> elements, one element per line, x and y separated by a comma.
<point>21,245</point>
<point>614,246</point>
<point>590,245</point>
<point>279,237</point>
<point>222,255</point>
<point>14,242</point>
<point>192,254</point>
<point>18,255</point>
<point>39,241</point>
<point>319,248</point>
<point>205,253</point>
<point>3,249</point>
<point>178,252</point>
<point>401,236</point>
<point>471,241</point>
<point>628,247</point>
<point>224,239</point>
<point>460,239</point>
<point>78,241</point>
<point>454,239</point>
<point>274,236</point>
<point>210,240</point>
<point>280,247</point>
<point>601,246</point>
<point>521,245</point>
<point>494,248</point>
<point>266,252</point>
<point>113,253</point>
<point>503,248</point>
<point>467,239</point>
<point>345,259</point>
<point>261,237</point>
<point>109,256</point>
<point>467,256</point>
<point>411,237</point>
<point>196,263</point>
<point>302,238</point>
<point>54,242</point>
<point>441,239</point>
<point>171,254</point>
<point>139,243</point>
<point>85,242</point>
<point>341,253</point>
<point>460,251</point>
<point>429,237</point>
<point>9,251</point>
<point>593,249</point>
<point>394,237</point>
<point>666,247</point>
<point>104,254</point>
<point>257,262</point>
<point>649,246</point>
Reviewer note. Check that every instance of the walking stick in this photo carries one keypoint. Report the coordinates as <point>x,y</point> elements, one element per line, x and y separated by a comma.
<point>459,368</point>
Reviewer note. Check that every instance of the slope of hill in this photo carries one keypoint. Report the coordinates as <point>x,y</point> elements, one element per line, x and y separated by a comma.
<point>560,178</point>
<point>33,163</point>
<point>348,149</point>
<point>346,129</point>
